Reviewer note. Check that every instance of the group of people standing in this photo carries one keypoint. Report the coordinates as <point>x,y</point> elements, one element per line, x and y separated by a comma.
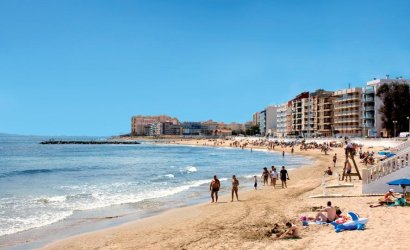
<point>273,176</point>
<point>216,185</point>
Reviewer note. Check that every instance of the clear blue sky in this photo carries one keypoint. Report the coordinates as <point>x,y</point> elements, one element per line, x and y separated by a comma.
<point>85,67</point>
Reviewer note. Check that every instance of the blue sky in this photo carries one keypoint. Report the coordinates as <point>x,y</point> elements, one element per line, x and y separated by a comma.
<point>85,67</point>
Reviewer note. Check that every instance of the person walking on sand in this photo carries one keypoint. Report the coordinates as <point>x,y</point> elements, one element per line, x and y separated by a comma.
<point>284,176</point>
<point>274,176</point>
<point>214,188</point>
<point>235,186</point>
<point>334,160</point>
<point>265,176</point>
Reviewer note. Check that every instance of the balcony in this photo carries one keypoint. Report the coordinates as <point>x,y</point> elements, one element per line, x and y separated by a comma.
<point>368,108</point>
<point>347,98</point>
<point>352,120</point>
<point>346,113</point>
<point>342,106</point>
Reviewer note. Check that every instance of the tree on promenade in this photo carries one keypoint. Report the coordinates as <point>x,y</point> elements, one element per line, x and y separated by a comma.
<point>396,106</point>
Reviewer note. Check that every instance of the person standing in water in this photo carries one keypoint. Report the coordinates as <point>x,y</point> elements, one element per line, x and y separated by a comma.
<point>214,188</point>
<point>256,182</point>
<point>235,186</point>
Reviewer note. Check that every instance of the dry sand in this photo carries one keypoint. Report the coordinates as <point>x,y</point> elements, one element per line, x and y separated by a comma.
<point>246,224</point>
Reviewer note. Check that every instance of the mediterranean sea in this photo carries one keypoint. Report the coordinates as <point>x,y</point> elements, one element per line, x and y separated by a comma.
<point>47,188</point>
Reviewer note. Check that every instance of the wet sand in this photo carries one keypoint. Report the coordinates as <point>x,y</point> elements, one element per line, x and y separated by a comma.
<point>246,224</point>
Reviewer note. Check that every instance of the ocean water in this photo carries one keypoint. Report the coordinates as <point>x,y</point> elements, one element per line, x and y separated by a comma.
<point>44,184</point>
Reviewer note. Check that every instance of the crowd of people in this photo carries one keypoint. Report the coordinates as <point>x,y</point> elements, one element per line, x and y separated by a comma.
<point>266,177</point>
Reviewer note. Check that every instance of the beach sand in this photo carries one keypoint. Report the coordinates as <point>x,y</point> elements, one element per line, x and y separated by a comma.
<point>246,224</point>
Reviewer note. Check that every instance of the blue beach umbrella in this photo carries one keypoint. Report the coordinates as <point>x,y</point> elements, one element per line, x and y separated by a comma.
<point>403,182</point>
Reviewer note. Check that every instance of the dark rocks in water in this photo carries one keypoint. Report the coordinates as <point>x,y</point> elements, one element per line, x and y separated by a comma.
<point>89,142</point>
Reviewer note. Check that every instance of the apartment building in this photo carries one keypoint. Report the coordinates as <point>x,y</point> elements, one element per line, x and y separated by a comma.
<point>302,115</point>
<point>271,122</point>
<point>256,119</point>
<point>171,129</point>
<point>153,129</point>
<point>262,122</point>
<point>347,112</point>
<point>372,123</point>
<point>139,123</point>
<point>282,115</point>
<point>268,121</point>
<point>322,102</point>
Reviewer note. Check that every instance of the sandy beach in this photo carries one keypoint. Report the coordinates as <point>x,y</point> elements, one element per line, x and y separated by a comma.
<point>247,224</point>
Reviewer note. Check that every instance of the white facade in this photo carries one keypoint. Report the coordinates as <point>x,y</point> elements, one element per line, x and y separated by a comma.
<point>281,119</point>
<point>271,120</point>
<point>372,110</point>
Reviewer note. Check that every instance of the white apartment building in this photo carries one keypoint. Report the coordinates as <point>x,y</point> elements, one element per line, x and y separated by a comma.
<point>268,121</point>
<point>372,119</point>
<point>282,113</point>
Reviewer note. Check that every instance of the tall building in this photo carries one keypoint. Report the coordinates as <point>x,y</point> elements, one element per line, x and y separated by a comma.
<point>371,117</point>
<point>139,123</point>
<point>282,113</point>
<point>168,128</point>
<point>271,120</point>
<point>302,115</point>
<point>323,112</point>
<point>262,122</point>
<point>348,112</point>
<point>256,119</point>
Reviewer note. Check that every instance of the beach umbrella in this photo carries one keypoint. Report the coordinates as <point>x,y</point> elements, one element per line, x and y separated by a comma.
<point>404,182</point>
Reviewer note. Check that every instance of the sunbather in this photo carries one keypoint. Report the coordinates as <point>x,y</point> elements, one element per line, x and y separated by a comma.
<point>388,197</point>
<point>330,214</point>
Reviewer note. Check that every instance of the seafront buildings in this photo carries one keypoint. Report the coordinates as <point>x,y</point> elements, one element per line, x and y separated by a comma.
<point>345,112</point>
<point>164,125</point>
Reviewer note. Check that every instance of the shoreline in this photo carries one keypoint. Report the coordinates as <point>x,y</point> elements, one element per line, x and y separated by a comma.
<point>244,224</point>
<point>96,218</point>
<point>177,211</point>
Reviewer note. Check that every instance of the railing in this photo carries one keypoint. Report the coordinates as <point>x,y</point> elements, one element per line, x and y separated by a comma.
<point>386,167</point>
<point>401,146</point>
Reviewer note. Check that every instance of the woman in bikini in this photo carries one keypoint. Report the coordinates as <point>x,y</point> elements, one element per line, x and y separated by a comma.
<point>235,186</point>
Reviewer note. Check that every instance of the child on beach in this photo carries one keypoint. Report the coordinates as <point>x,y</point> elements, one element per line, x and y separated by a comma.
<point>291,232</point>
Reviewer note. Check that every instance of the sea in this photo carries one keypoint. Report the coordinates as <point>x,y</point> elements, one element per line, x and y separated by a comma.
<point>49,192</point>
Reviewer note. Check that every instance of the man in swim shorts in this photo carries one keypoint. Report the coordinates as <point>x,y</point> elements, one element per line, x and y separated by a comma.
<point>214,188</point>
<point>330,214</point>
<point>284,176</point>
